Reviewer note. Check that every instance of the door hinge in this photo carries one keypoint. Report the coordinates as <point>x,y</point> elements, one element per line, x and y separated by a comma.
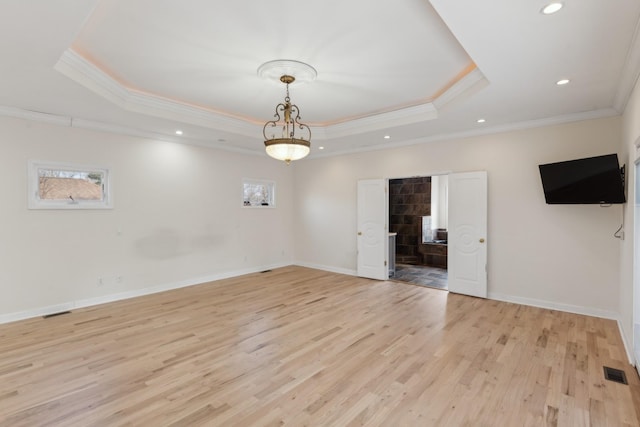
<point>385,263</point>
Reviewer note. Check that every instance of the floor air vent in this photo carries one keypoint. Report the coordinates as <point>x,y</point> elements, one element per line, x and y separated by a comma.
<point>615,375</point>
<point>46,316</point>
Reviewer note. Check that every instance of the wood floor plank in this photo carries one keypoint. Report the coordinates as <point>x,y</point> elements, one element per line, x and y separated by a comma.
<point>303,347</point>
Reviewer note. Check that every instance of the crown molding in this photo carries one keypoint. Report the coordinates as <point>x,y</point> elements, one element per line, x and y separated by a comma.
<point>78,69</point>
<point>128,131</point>
<point>35,116</point>
<point>85,73</point>
<point>66,121</point>
<point>464,88</point>
<point>123,130</point>
<point>630,73</point>
<point>511,127</point>
<point>405,116</point>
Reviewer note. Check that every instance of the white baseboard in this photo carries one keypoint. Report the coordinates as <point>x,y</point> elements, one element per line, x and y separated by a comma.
<point>36,312</point>
<point>627,348</point>
<point>326,268</point>
<point>66,306</point>
<point>551,305</point>
<point>71,305</point>
<point>587,311</point>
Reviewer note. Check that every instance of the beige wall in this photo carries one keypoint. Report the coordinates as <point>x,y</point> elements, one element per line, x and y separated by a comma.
<point>631,136</point>
<point>552,255</point>
<point>177,219</point>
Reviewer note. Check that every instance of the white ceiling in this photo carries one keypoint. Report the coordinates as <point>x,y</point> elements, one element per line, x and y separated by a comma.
<point>415,70</point>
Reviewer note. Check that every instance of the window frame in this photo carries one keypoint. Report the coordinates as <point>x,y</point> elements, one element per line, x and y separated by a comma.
<point>35,202</point>
<point>271,185</point>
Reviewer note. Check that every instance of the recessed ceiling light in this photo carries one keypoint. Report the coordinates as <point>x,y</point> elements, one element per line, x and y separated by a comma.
<point>387,137</point>
<point>481,120</point>
<point>551,8</point>
<point>320,148</point>
<point>562,82</point>
<point>178,132</point>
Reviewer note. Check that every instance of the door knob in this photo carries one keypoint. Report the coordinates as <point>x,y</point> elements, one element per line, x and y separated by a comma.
<point>481,240</point>
<point>359,233</point>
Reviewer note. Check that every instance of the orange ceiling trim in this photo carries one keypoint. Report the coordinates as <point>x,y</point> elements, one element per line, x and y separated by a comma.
<point>458,77</point>
<point>131,88</point>
<point>461,75</point>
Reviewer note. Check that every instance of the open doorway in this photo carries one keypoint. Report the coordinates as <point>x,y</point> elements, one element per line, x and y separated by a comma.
<point>418,219</point>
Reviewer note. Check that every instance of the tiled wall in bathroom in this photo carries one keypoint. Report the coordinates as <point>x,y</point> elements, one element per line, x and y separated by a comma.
<point>409,201</point>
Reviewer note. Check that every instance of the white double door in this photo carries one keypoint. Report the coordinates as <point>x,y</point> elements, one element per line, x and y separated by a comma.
<point>467,238</point>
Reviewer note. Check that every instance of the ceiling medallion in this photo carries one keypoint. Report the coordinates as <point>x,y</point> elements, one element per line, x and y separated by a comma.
<point>274,70</point>
<point>287,146</point>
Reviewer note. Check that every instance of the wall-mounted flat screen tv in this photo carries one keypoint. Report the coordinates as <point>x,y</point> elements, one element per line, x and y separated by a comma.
<point>593,180</point>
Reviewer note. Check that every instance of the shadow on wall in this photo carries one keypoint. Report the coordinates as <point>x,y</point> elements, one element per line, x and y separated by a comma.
<point>168,243</point>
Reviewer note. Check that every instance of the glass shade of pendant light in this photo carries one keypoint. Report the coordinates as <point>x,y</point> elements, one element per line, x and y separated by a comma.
<point>287,146</point>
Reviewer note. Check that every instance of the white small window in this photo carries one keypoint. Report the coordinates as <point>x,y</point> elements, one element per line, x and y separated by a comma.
<point>68,186</point>
<point>258,193</point>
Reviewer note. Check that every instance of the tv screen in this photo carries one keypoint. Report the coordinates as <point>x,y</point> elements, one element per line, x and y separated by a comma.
<point>594,180</point>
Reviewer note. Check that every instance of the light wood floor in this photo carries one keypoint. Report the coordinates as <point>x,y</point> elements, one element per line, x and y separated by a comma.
<point>303,347</point>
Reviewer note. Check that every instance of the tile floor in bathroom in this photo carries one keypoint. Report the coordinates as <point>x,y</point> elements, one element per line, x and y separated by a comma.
<point>421,275</point>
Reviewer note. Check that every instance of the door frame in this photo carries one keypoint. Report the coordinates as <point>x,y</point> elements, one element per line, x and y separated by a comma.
<point>635,292</point>
<point>419,175</point>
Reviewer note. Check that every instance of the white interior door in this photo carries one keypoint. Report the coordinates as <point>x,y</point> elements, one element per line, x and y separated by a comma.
<point>467,246</point>
<point>373,238</point>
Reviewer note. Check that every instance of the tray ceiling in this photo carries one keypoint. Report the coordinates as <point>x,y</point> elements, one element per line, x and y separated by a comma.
<point>413,70</point>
